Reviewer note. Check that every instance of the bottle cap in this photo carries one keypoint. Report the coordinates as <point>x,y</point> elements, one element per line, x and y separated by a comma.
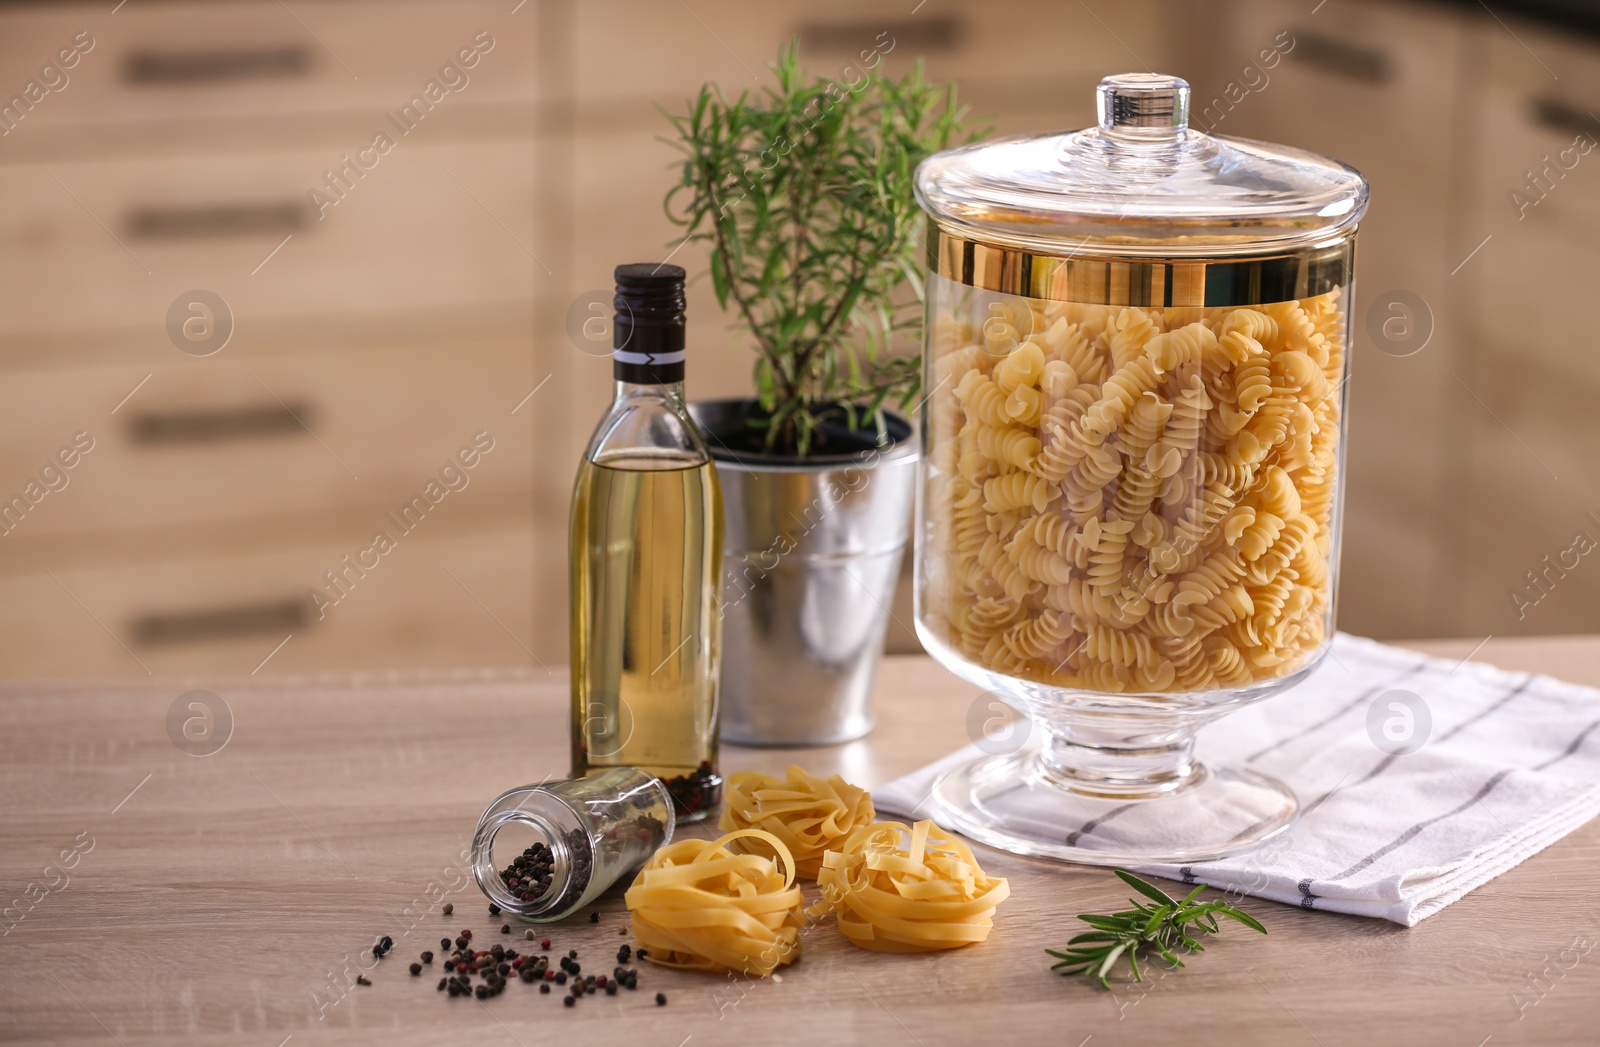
<point>648,330</point>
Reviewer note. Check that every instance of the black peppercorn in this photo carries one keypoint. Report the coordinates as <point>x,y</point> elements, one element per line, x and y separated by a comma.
<point>449,908</point>
<point>661,999</point>
<point>624,954</point>
<point>361,979</point>
<point>494,910</point>
<point>461,943</point>
<point>594,917</point>
<point>416,969</point>
<point>561,977</point>
<point>611,988</point>
<point>427,957</point>
<point>641,954</point>
<point>544,987</point>
<point>568,1001</point>
<point>572,954</point>
<point>444,944</point>
<point>505,928</point>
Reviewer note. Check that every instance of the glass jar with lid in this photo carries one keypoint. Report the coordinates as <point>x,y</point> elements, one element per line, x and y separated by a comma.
<point>1128,518</point>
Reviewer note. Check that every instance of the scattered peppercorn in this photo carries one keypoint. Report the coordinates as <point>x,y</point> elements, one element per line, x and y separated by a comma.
<point>594,917</point>
<point>442,982</point>
<point>461,943</point>
<point>623,954</point>
<point>661,999</point>
<point>494,910</point>
<point>467,935</point>
<point>505,928</point>
<point>444,943</point>
<point>416,969</point>
<point>561,977</point>
<point>641,954</point>
<point>572,954</point>
<point>611,988</point>
<point>449,907</point>
<point>568,1001</point>
<point>361,979</point>
<point>529,935</point>
<point>427,957</point>
<point>544,987</point>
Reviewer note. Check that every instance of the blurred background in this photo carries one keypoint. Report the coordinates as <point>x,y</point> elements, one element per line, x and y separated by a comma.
<point>255,295</point>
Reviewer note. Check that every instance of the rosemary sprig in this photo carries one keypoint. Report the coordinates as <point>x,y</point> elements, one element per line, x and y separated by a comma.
<point>1164,928</point>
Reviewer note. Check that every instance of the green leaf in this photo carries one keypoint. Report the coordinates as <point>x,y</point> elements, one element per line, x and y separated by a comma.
<point>1245,918</point>
<point>1149,890</point>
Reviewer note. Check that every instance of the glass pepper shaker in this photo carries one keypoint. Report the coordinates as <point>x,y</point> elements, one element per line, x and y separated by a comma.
<point>587,834</point>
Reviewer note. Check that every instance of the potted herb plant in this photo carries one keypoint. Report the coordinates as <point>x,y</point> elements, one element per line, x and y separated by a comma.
<point>802,195</point>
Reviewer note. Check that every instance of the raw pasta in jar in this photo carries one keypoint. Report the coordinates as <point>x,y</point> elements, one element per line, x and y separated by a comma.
<point>1132,499</point>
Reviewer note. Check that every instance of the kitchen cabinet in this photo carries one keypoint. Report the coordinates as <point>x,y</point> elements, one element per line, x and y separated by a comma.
<point>376,328</point>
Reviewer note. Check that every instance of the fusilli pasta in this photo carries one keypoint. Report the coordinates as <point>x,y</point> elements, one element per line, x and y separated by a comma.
<point>1134,499</point>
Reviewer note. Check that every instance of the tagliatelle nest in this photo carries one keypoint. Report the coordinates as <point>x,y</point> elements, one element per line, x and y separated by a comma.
<point>899,888</point>
<point>810,815</point>
<point>700,904</point>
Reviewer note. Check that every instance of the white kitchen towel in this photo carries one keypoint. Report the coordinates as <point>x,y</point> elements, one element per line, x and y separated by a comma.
<point>1510,765</point>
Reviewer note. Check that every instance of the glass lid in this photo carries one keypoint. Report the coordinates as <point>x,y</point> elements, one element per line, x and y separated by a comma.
<point>1142,183</point>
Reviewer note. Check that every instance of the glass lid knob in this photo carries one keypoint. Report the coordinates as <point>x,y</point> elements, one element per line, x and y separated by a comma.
<point>1147,106</point>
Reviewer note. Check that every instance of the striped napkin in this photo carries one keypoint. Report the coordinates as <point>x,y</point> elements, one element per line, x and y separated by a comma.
<point>1402,810</point>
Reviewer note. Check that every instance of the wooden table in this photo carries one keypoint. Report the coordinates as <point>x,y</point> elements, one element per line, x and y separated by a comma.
<point>226,899</point>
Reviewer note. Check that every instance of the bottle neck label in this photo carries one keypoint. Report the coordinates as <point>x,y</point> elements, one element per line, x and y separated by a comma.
<point>649,355</point>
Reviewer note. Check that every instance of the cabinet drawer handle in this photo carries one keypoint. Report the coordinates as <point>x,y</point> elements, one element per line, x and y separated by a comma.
<point>206,427</point>
<point>943,33</point>
<point>213,65</point>
<point>221,623</point>
<point>1565,117</point>
<point>1368,65</point>
<point>180,223</point>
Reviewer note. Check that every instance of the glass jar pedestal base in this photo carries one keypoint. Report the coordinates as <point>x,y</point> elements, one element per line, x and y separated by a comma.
<point>1025,804</point>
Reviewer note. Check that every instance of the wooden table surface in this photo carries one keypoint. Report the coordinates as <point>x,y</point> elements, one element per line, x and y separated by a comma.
<point>226,899</point>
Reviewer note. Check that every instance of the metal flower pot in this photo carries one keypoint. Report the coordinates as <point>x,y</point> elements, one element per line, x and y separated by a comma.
<point>811,556</point>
